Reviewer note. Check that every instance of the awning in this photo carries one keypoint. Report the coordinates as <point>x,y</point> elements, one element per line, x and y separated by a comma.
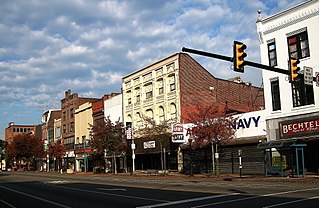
<point>282,144</point>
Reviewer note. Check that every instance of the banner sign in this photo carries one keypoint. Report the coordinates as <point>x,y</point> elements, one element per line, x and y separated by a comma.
<point>149,144</point>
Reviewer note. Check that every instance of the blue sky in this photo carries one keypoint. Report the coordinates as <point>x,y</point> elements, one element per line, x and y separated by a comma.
<point>47,47</point>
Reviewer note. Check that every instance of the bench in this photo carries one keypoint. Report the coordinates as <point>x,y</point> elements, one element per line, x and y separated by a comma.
<point>151,171</point>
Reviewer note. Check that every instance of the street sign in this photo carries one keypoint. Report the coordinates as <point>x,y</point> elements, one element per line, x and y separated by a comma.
<point>317,79</point>
<point>308,75</point>
<point>129,133</point>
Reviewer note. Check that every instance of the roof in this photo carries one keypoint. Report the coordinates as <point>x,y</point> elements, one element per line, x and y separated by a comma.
<point>281,143</point>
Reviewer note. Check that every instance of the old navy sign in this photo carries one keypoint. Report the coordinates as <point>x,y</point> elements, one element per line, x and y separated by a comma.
<point>299,127</point>
<point>243,123</point>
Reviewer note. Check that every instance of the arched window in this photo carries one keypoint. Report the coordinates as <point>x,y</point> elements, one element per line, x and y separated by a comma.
<point>149,113</point>
<point>161,113</point>
<point>173,111</point>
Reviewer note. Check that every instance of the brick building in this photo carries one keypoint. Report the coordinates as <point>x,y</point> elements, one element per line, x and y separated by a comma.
<point>167,90</point>
<point>12,130</point>
<point>68,106</point>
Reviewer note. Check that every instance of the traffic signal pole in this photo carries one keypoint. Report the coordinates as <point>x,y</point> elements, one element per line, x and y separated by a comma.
<point>230,59</point>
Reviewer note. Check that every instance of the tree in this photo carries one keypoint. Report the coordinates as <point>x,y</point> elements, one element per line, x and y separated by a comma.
<point>212,127</point>
<point>109,138</point>
<point>155,131</point>
<point>57,150</point>
<point>25,147</point>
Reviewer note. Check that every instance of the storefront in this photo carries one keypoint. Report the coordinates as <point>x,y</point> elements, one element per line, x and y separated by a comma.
<point>154,154</point>
<point>299,135</point>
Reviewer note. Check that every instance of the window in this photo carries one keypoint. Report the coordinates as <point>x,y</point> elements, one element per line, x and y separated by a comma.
<point>57,132</point>
<point>71,112</point>
<point>64,115</point>
<point>64,128</point>
<point>137,94</point>
<point>160,86</point>
<point>72,127</point>
<point>275,94</point>
<point>298,45</point>
<point>272,56</point>
<point>129,101</point>
<point>172,83</point>
<point>302,94</point>
<point>149,113</point>
<point>173,111</point>
<point>161,113</point>
<point>149,91</point>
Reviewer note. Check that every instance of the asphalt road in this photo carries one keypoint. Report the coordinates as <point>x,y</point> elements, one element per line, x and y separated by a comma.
<point>53,190</point>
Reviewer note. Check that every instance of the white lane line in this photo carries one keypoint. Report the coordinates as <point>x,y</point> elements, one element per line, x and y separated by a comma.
<point>35,197</point>
<point>6,203</point>
<point>187,201</point>
<point>255,197</point>
<point>291,202</point>
<point>112,189</point>
<point>110,194</point>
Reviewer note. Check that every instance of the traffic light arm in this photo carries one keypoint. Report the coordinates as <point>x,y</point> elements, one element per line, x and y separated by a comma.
<point>230,59</point>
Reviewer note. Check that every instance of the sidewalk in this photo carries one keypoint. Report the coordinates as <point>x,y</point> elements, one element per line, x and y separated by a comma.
<point>172,176</point>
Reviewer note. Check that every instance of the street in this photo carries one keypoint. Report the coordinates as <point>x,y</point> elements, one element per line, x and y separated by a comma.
<point>27,189</point>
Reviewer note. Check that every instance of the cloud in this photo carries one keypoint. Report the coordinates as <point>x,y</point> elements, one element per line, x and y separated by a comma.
<point>88,46</point>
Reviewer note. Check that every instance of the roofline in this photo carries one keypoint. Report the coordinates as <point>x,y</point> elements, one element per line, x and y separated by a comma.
<point>152,64</point>
<point>284,12</point>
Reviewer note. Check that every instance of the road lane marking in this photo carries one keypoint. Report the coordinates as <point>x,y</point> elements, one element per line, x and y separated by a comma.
<point>35,197</point>
<point>255,197</point>
<point>57,182</point>
<point>187,201</point>
<point>291,202</point>
<point>112,189</point>
<point>6,203</point>
<point>111,194</point>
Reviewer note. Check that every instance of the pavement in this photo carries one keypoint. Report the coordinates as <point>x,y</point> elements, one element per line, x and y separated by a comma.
<point>173,176</point>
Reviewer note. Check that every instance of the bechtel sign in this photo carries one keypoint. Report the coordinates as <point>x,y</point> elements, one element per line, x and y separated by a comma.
<point>299,127</point>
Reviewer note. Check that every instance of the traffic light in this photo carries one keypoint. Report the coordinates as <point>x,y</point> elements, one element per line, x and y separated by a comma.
<point>293,69</point>
<point>239,56</point>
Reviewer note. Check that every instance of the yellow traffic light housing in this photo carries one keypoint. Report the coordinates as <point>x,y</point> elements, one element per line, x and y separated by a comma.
<point>239,55</point>
<point>293,69</point>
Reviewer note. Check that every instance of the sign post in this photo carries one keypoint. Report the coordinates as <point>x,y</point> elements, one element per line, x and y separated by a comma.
<point>240,166</point>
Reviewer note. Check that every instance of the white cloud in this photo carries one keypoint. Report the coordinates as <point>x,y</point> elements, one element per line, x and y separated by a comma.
<point>88,46</point>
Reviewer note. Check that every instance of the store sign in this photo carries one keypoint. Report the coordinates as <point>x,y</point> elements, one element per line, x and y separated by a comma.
<point>149,144</point>
<point>243,123</point>
<point>180,132</point>
<point>297,127</point>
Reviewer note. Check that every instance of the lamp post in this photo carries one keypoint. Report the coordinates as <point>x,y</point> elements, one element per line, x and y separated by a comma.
<point>190,156</point>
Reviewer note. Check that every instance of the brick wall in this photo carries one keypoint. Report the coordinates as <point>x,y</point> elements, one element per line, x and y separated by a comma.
<point>199,87</point>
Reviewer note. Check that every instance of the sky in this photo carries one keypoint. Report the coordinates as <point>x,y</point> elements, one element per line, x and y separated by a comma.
<point>48,47</point>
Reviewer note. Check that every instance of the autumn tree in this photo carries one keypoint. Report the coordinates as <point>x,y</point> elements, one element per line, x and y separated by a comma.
<point>25,147</point>
<point>108,138</point>
<point>153,130</point>
<point>212,127</point>
<point>56,150</point>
